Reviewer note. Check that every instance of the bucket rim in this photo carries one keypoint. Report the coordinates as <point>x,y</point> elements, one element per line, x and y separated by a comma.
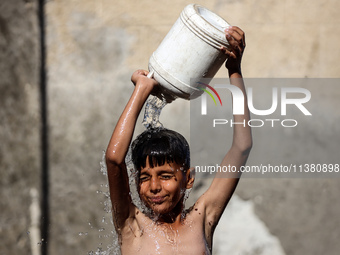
<point>192,17</point>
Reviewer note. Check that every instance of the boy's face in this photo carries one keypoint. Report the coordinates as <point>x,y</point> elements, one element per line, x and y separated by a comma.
<point>162,187</point>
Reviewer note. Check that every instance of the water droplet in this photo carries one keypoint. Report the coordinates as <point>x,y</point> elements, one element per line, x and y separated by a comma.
<point>41,242</point>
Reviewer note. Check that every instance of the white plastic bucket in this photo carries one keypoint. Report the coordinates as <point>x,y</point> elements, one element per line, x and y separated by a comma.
<point>191,49</point>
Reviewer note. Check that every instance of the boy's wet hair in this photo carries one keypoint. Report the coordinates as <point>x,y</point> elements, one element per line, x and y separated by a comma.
<point>160,146</point>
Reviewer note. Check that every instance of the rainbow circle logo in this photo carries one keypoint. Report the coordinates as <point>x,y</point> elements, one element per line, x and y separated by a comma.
<point>209,93</point>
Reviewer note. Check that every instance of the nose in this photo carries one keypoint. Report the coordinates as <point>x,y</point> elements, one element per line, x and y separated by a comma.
<point>155,185</point>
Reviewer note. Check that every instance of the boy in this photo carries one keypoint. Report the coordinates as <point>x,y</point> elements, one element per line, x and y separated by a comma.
<point>162,160</point>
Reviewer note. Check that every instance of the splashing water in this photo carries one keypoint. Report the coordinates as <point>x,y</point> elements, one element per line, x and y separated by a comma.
<point>132,173</point>
<point>113,248</point>
<point>153,108</point>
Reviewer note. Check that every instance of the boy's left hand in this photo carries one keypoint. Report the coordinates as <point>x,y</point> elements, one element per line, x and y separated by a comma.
<point>236,39</point>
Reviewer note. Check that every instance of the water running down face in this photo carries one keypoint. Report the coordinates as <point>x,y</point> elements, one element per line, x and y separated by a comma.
<point>162,187</point>
<point>161,158</point>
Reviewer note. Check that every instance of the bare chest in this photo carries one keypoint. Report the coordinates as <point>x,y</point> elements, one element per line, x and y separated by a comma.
<point>149,238</point>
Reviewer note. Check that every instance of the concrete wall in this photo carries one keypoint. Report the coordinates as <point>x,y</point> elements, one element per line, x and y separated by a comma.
<point>92,49</point>
<point>19,122</point>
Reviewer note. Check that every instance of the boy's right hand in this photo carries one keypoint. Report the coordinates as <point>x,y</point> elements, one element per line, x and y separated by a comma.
<point>139,78</point>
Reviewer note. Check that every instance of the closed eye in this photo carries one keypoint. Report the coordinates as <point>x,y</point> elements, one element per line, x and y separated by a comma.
<point>166,176</point>
<point>144,178</point>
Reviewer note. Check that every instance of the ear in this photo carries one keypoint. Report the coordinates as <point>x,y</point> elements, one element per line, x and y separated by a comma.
<point>190,174</point>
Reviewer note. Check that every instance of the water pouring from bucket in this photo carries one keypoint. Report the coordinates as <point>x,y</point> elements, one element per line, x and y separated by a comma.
<point>191,49</point>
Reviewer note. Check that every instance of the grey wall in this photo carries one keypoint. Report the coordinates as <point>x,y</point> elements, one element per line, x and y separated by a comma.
<point>19,121</point>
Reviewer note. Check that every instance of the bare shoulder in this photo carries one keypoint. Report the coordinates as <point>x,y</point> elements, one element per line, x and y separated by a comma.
<point>199,217</point>
<point>125,225</point>
<point>213,202</point>
<point>196,211</point>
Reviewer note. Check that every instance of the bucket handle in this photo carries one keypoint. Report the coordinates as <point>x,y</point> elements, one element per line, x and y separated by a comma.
<point>150,75</point>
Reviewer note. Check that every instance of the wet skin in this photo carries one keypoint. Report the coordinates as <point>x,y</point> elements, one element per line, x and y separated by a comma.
<point>167,230</point>
<point>142,235</point>
<point>161,188</point>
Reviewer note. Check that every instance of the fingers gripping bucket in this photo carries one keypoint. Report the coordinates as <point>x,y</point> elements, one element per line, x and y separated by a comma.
<point>191,49</point>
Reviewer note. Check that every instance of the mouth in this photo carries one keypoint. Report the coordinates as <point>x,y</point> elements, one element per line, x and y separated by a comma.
<point>157,199</point>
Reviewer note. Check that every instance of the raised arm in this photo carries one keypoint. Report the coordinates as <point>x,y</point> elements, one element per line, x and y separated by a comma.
<point>119,145</point>
<point>224,184</point>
